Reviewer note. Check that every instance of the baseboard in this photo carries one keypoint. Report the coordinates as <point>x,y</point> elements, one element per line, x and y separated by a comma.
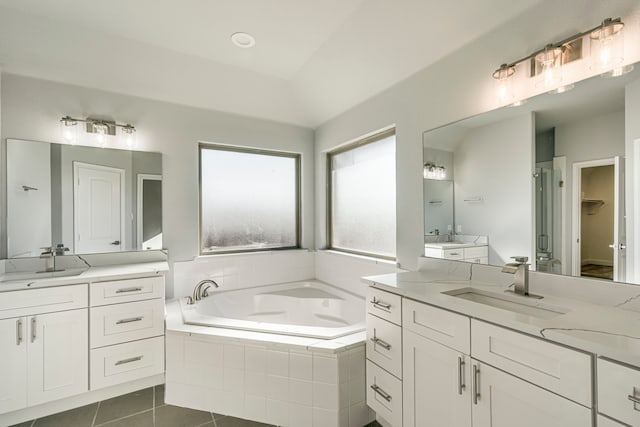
<point>596,261</point>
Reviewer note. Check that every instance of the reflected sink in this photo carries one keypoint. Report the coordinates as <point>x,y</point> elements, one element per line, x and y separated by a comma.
<point>29,275</point>
<point>510,302</point>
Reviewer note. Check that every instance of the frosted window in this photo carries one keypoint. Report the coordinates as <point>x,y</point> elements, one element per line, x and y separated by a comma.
<point>363,198</point>
<point>248,200</point>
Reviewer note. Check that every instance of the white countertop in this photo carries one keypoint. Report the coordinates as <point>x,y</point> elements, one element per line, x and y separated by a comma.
<point>605,331</point>
<point>453,245</point>
<point>86,275</point>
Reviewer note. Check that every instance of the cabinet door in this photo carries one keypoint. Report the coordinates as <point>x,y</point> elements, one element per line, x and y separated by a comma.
<point>502,400</point>
<point>13,364</point>
<point>58,355</point>
<point>436,386</point>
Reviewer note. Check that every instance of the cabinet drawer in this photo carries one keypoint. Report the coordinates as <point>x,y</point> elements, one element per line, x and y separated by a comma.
<point>43,300</point>
<point>384,394</point>
<point>114,292</point>
<point>615,384</point>
<point>453,253</point>
<point>115,324</point>
<point>384,344</point>
<point>121,363</point>
<point>558,369</point>
<point>476,252</point>
<point>439,325</point>
<point>385,305</point>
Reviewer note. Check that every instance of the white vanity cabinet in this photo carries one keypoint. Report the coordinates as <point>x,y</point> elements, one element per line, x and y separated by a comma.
<point>473,254</point>
<point>619,392</point>
<point>44,351</point>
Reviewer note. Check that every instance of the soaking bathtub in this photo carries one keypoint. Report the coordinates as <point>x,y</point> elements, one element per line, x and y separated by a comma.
<point>310,309</point>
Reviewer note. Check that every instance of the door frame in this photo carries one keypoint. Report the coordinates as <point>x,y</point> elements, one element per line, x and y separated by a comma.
<point>78,165</point>
<point>576,209</point>
<point>139,199</point>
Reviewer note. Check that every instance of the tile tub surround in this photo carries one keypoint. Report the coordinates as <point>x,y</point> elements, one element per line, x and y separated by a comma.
<point>605,330</point>
<point>276,379</point>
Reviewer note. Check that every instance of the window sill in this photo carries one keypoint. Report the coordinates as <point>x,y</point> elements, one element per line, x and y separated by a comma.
<point>361,257</point>
<point>249,253</point>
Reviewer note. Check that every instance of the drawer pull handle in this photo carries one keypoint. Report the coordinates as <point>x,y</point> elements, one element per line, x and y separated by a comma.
<point>461,384</point>
<point>386,396</point>
<point>380,304</point>
<point>129,360</point>
<point>123,290</point>
<point>381,343</point>
<point>476,381</point>
<point>18,331</point>
<point>129,320</point>
<point>454,253</point>
<point>33,329</point>
<point>634,399</point>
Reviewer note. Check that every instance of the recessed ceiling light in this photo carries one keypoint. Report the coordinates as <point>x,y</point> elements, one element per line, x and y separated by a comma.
<point>243,40</point>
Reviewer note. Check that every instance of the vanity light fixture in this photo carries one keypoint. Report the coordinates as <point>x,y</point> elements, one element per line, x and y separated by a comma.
<point>605,56</point>
<point>433,171</point>
<point>101,128</point>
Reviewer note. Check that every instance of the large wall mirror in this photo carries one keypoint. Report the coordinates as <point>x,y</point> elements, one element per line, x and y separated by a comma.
<point>84,199</point>
<point>543,180</point>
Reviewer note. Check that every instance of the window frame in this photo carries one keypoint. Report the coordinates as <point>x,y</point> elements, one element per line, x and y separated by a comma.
<point>297,157</point>
<point>329,217</point>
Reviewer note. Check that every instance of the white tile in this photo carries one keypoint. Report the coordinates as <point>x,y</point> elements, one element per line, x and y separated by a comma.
<point>343,367</point>
<point>357,365</point>
<point>324,418</point>
<point>255,359</point>
<point>357,391</point>
<point>203,353</point>
<point>359,415</point>
<point>233,356</point>
<point>277,387</point>
<point>343,395</point>
<point>234,404</point>
<point>255,383</point>
<point>325,369</point>
<point>255,407</point>
<point>300,415</point>
<point>325,396</point>
<point>278,363</point>
<point>301,392</point>
<point>234,380</point>
<point>277,412</point>
<point>343,417</point>
<point>300,366</point>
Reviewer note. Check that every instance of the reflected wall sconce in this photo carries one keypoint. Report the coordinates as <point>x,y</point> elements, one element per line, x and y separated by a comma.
<point>433,171</point>
<point>101,128</point>
<point>606,56</point>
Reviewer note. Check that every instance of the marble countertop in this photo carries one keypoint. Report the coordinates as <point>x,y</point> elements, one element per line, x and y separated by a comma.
<point>21,280</point>
<point>453,245</point>
<point>605,331</point>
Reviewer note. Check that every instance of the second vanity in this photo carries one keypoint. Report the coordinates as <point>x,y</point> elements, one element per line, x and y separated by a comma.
<point>444,351</point>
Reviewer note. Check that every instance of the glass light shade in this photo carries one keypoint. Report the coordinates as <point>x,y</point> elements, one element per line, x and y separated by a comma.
<point>607,47</point>
<point>69,130</point>
<point>129,136</point>
<point>503,81</point>
<point>549,61</point>
<point>101,133</point>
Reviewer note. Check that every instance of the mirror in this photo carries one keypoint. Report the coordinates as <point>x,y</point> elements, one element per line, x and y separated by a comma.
<point>81,199</point>
<point>543,180</point>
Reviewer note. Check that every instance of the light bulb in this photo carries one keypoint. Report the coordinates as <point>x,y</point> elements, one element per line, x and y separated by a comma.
<point>607,47</point>
<point>504,82</point>
<point>550,62</point>
<point>69,130</point>
<point>129,136</point>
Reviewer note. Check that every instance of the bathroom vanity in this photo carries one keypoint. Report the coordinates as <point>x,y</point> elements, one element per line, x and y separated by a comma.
<point>70,340</point>
<point>448,352</point>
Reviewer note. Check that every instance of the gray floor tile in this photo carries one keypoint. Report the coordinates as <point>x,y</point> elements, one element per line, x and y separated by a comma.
<point>78,417</point>
<point>237,422</point>
<point>125,405</point>
<point>144,419</point>
<point>175,416</point>
<point>159,395</point>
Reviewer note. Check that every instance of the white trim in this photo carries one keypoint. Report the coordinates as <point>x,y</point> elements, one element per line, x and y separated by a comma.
<point>76,166</point>
<point>560,163</point>
<point>141,178</point>
<point>577,208</point>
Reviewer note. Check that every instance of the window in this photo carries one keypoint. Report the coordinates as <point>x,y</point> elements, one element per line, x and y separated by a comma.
<point>362,197</point>
<point>249,199</point>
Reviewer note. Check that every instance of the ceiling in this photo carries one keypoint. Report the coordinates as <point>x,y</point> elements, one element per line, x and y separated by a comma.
<point>312,61</point>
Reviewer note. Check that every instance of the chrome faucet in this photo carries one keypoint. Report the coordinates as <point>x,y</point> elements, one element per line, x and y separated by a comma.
<point>201,290</point>
<point>520,269</point>
<point>49,254</point>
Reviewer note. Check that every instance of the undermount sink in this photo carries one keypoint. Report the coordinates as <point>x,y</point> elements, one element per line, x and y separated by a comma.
<point>30,275</point>
<point>510,302</point>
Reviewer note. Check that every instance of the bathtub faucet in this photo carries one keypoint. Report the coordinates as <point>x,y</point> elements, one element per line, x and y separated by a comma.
<point>200,291</point>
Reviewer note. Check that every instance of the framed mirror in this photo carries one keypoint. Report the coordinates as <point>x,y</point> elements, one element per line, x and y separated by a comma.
<point>81,199</point>
<point>544,180</point>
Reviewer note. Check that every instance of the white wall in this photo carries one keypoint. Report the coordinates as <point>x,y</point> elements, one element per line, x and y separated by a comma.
<point>632,180</point>
<point>31,109</point>
<point>489,164</point>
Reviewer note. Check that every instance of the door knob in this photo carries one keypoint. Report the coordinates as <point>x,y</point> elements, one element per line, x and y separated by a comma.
<point>115,242</point>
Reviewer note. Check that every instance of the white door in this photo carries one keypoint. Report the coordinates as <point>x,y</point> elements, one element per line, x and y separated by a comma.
<point>58,356</point>
<point>98,208</point>
<point>436,385</point>
<point>502,400</point>
<point>13,364</point>
<point>619,244</point>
